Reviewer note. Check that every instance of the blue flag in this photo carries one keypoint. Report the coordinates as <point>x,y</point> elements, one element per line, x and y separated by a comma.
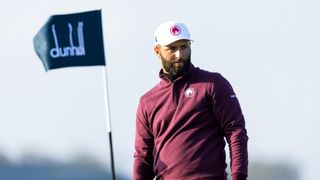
<point>71,40</point>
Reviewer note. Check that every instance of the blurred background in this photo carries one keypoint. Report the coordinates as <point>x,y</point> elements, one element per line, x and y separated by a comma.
<point>53,125</point>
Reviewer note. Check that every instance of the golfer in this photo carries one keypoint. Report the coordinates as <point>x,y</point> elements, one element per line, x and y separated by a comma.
<point>184,122</point>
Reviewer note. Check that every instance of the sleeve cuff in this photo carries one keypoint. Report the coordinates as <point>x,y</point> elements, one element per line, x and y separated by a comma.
<point>238,176</point>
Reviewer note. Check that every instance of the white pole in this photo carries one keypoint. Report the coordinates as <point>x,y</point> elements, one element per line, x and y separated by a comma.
<point>107,106</point>
<point>108,117</point>
<point>106,98</point>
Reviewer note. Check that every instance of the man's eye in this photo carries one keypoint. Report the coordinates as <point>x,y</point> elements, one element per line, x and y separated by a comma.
<point>185,46</point>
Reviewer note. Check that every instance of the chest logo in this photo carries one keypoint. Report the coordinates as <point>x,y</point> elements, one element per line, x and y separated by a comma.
<point>189,92</point>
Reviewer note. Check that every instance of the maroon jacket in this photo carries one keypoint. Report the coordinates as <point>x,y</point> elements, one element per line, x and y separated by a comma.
<point>181,126</point>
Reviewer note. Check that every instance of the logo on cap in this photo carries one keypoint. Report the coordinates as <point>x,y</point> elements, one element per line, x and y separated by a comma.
<point>175,30</point>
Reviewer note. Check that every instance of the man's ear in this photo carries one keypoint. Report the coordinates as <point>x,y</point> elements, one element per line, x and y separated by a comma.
<point>157,51</point>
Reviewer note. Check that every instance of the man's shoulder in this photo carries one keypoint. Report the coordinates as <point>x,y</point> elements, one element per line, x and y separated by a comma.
<point>206,75</point>
<point>151,93</point>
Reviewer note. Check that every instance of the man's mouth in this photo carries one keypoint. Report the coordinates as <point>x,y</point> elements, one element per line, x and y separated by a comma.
<point>178,62</point>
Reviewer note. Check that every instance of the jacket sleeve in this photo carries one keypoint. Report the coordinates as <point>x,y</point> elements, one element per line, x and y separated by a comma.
<point>143,158</point>
<point>228,113</point>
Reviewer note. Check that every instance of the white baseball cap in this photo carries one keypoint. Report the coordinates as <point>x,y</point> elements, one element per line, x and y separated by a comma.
<point>170,32</point>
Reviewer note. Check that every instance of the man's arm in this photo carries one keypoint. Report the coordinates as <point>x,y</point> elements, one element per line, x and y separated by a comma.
<point>143,158</point>
<point>228,112</point>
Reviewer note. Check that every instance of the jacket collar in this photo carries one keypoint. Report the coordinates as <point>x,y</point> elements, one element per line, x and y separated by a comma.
<point>165,77</point>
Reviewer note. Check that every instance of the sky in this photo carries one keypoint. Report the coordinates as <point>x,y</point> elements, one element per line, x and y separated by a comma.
<point>269,50</point>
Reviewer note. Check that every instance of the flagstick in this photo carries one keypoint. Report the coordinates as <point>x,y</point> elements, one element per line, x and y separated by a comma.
<point>107,111</point>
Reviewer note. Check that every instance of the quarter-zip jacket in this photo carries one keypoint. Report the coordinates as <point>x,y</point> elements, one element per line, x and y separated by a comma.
<point>181,126</point>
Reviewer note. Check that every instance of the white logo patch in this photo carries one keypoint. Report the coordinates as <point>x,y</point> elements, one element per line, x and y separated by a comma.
<point>189,92</point>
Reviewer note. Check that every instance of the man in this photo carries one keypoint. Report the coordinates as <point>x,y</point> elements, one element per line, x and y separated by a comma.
<point>181,123</point>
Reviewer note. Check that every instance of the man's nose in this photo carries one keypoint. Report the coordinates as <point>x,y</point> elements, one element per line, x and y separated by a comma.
<point>178,53</point>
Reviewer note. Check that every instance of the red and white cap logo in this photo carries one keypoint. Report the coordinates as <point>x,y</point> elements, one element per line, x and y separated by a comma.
<point>175,30</point>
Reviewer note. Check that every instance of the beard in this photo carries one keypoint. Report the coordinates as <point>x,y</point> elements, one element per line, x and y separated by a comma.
<point>176,68</point>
